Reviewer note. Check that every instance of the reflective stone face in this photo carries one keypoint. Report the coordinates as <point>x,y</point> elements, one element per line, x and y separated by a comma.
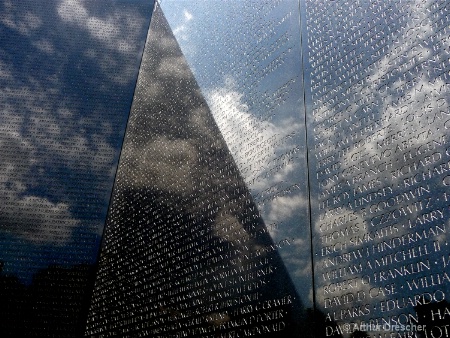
<point>284,173</point>
<point>247,61</point>
<point>67,75</point>
<point>186,251</point>
<point>378,118</point>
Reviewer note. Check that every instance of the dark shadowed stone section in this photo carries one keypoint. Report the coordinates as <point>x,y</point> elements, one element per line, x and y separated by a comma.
<point>185,251</point>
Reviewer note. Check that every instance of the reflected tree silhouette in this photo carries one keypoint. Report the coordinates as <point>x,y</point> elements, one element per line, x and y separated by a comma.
<point>53,305</point>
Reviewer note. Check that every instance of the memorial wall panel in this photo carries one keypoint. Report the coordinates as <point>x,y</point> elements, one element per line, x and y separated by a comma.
<point>378,133</point>
<point>246,59</point>
<point>186,251</point>
<point>67,75</point>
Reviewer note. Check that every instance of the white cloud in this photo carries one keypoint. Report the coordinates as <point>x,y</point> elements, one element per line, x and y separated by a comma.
<point>253,143</point>
<point>54,137</point>
<point>181,30</point>
<point>45,46</point>
<point>116,31</point>
<point>21,213</point>
<point>24,23</point>
<point>73,11</point>
<point>104,30</point>
<point>187,16</point>
<point>284,207</point>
